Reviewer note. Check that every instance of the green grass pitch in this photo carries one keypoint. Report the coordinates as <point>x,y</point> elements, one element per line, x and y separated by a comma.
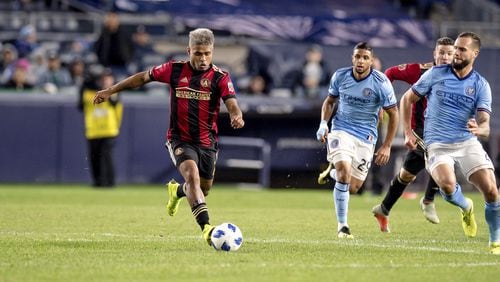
<point>76,233</point>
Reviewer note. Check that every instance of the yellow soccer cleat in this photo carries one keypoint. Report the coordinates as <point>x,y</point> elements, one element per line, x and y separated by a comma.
<point>495,248</point>
<point>468,221</point>
<point>324,176</point>
<point>207,233</point>
<point>173,200</point>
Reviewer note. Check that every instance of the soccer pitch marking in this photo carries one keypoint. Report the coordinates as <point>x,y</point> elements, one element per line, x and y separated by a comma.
<point>395,244</point>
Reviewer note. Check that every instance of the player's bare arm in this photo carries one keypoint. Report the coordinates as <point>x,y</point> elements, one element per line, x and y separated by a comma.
<point>327,110</point>
<point>133,81</point>
<point>384,152</point>
<point>235,114</point>
<point>407,100</point>
<point>480,126</point>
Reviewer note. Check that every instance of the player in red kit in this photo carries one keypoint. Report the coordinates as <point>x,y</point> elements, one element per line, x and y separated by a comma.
<point>415,159</point>
<point>196,89</point>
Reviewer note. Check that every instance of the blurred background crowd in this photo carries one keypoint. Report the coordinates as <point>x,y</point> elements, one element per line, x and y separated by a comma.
<point>280,54</point>
<point>50,45</point>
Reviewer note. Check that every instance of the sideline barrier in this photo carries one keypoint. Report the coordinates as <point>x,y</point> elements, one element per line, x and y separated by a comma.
<point>263,163</point>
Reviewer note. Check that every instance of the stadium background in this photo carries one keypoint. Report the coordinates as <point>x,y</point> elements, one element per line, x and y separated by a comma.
<point>42,135</point>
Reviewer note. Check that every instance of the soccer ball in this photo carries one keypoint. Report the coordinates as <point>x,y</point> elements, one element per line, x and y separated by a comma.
<point>226,237</point>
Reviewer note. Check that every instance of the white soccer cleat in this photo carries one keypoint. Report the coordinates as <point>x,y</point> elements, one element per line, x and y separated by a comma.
<point>429,211</point>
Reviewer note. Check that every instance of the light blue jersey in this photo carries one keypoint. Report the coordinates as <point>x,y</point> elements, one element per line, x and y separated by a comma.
<point>360,102</point>
<point>451,102</point>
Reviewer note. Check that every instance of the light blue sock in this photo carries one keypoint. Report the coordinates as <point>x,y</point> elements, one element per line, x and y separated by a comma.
<point>341,200</point>
<point>456,198</point>
<point>492,215</point>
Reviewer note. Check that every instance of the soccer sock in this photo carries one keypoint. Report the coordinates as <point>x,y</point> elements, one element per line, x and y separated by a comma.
<point>341,200</point>
<point>492,215</point>
<point>456,198</point>
<point>181,192</point>
<point>431,190</point>
<point>395,191</point>
<point>200,212</point>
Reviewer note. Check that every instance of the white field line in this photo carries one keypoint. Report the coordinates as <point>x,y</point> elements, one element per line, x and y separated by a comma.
<point>393,265</point>
<point>99,237</point>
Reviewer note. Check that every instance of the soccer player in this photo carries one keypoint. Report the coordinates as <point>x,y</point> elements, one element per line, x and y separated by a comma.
<point>458,111</point>
<point>414,160</point>
<point>196,88</point>
<point>361,92</point>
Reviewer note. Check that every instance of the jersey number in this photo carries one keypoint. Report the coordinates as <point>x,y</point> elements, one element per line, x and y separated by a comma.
<point>364,165</point>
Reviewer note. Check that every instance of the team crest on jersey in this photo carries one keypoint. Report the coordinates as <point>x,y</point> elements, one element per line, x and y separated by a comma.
<point>230,86</point>
<point>205,82</point>
<point>432,159</point>
<point>334,143</point>
<point>178,151</point>
<point>470,91</point>
<point>367,92</point>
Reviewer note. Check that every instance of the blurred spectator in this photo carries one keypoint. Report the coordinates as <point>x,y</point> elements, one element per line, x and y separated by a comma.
<point>77,72</point>
<point>78,49</point>
<point>258,65</point>
<point>19,79</point>
<point>113,47</point>
<point>102,126</point>
<point>314,75</point>
<point>257,86</point>
<point>377,64</point>
<point>7,66</point>
<point>27,41</point>
<point>142,47</point>
<point>56,76</point>
<point>39,64</point>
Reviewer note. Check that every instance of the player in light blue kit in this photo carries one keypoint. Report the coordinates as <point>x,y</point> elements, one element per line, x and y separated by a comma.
<point>360,92</point>
<point>458,111</point>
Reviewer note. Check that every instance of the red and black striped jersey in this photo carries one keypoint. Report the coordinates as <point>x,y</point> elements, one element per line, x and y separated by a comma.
<point>194,100</point>
<point>410,73</point>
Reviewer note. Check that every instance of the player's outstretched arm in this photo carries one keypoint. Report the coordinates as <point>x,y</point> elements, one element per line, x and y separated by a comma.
<point>133,81</point>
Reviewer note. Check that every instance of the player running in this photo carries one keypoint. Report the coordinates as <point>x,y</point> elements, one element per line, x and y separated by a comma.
<point>360,92</point>
<point>458,111</point>
<point>414,160</point>
<point>196,89</point>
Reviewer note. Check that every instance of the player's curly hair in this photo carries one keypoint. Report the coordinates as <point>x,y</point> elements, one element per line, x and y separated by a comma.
<point>201,36</point>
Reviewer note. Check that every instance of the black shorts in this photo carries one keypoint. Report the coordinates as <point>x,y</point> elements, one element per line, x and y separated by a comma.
<point>205,158</point>
<point>414,161</point>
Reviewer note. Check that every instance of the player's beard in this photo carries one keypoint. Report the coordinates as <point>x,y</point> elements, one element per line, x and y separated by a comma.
<point>460,66</point>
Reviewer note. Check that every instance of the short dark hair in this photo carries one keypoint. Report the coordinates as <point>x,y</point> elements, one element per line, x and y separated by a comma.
<point>364,46</point>
<point>475,38</point>
<point>446,41</point>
